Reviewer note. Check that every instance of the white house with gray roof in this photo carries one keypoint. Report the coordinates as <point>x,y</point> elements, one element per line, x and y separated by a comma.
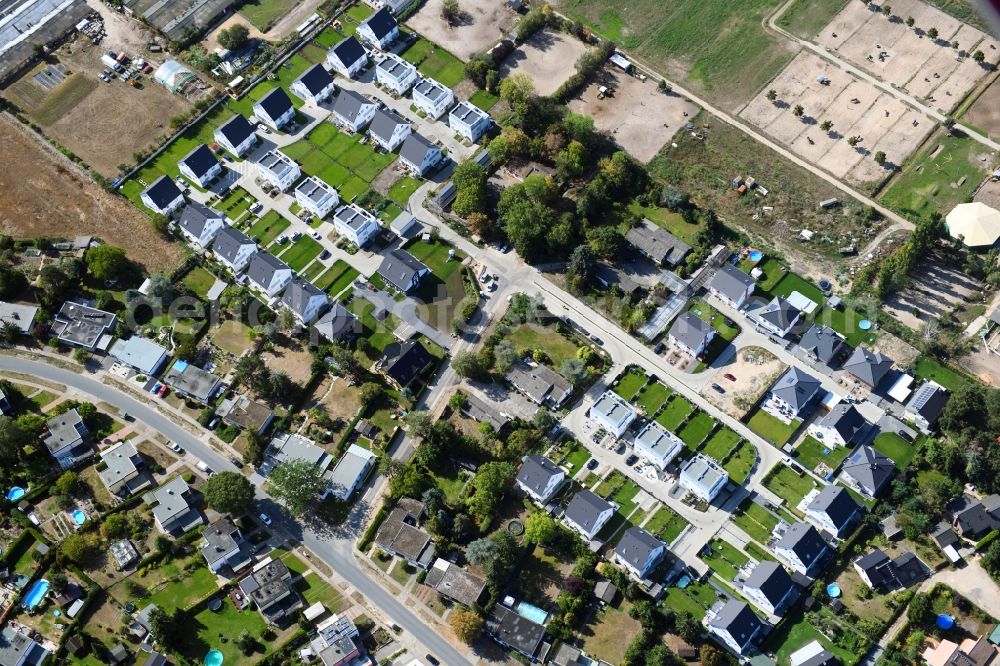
<point>777,317</point>
<point>639,552</point>
<point>868,367</point>
<point>268,274</point>
<point>794,392</point>
<point>200,224</point>
<point>389,129</point>
<point>285,447</point>
<point>657,445</point>
<point>278,169</point>
<point>469,121</point>
<point>162,196</point>
<point>200,166</point>
<point>356,224</point>
<point>236,135</point>
<point>65,436</point>
<point>703,477</point>
<point>395,74</point>
<point>338,324</point>
<point>316,196</point>
<point>801,548</point>
<point>833,510</point>
<point>540,478</point>
<point>736,626</point>
<point>432,98</point>
<point>305,300</point>
<point>691,334</point>
<point>926,405</point>
<point>867,471</point>
<point>657,244</point>
<point>315,85</point>
<point>222,545</point>
<point>122,470</point>
<point>401,270</point>
<point>352,110</point>
<point>173,507</point>
<point>613,413</point>
<point>769,587</point>
<point>79,325</point>
<point>840,426</point>
<point>193,382</point>
<point>139,353</point>
<point>380,29</point>
<point>731,286</point>
<point>350,472</point>
<point>274,109</point>
<point>233,249</point>
<point>587,513</point>
<point>418,154</point>
<point>347,57</point>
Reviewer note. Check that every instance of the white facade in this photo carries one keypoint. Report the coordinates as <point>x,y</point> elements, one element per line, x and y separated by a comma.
<point>274,123</point>
<point>396,74</point>
<point>316,196</point>
<point>163,196</point>
<point>469,121</point>
<point>213,226</point>
<point>238,149</point>
<point>612,413</point>
<point>204,179</point>
<point>366,34</point>
<point>357,224</point>
<point>389,143</point>
<point>657,445</point>
<point>278,169</point>
<point>300,88</point>
<point>429,158</point>
<point>589,533</point>
<point>703,477</point>
<point>347,60</point>
<point>432,98</point>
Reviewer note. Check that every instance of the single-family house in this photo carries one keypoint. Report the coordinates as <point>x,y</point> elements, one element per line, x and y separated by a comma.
<point>482,411</point>
<point>469,121</point>
<point>813,654</point>
<point>703,477</point>
<point>401,270</point>
<point>352,110</point>
<point>233,249</point>
<point>18,315</point>
<point>880,572</point>
<point>315,196</point>
<point>639,552</point>
<point>657,445</point>
<point>926,405</point>
<point>514,631</point>
<point>777,317</point>
<point>139,353</point>
<point>867,367</point>
<point>66,438</point>
<point>867,471</point>
<point>305,300</point>
<point>657,244</point>
<point>223,545</point>
<point>200,224</point>
<point>395,74</point>
<point>356,224</point>
<point>975,518</point>
<point>970,652</point>
<point>192,382</point>
<point>79,325</point>
<point>338,324</point>
<point>287,447</point>
<point>246,414</point>
<point>236,135</point>
<point>403,362</point>
<point>400,534</point>
<point>379,30</point>
<point>613,413</point>
<point>268,274</point>
<point>731,286</point>
<point>274,109</point>
<point>418,154</point>
<point>278,169</point>
<point>833,510</point>
<point>389,129</point>
<point>823,344</point>
<point>587,513</point>
<point>794,392</point>
<point>802,549</point>
<point>945,537</point>
<point>395,6</point>
<point>173,507</point>
<point>691,334</point>
<point>270,588</point>
<point>540,383</point>
<point>347,57</point>
<point>163,196</point>
<point>337,642</point>
<point>432,98</point>
<point>200,166</point>
<point>736,626</point>
<point>769,587</point>
<point>19,649</point>
<point>122,470</point>
<point>350,472</point>
<point>540,478</point>
<point>456,583</point>
<point>315,85</point>
<point>840,426</point>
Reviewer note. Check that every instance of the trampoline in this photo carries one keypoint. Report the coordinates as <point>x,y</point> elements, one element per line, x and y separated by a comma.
<point>864,325</point>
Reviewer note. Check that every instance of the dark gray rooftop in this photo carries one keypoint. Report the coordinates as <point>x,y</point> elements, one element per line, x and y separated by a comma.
<point>657,243</point>
<point>228,243</point>
<point>636,545</point>
<point>690,330</point>
<point>869,468</point>
<point>731,282</point>
<point>299,293</point>
<point>868,366</point>
<point>837,503</point>
<point>771,579</point>
<point>385,122</point>
<point>337,323</point>
<point>263,266</point>
<point>200,160</point>
<point>585,508</point>
<point>738,620</point>
<point>195,216</point>
<point>822,342</point>
<point>349,104</point>
<point>536,472</point>
<point>796,388</point>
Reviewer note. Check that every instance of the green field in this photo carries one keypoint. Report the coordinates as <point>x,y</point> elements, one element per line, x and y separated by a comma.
<point>806,18</point>
<point>484,99</point>
<point>433,61</point>
<point>202,632</point>
<point>784,482</point>
<point>696,599</point>
<point>434,255</point>
<point>402,189</point>
<point>575,459</point>
<point>665,524</point>
<point>652,397</point>
<point>198,280</point>
<point>740,462</point>
<point>796,631</point>
<point>720,444</point>
<point>929,368</point>
<point>186,592</point>
<point>697,428</point>
<point>527,337</point>
<point>773,430</point>
<point>792,282</point>
<point>630,383</point>
<point>301,252</point>
<point>263,14</point>
<point>269,227</point>
<point>895,448</point>
<point>725,558</point>
<point>336,278</point>
<point>809,454</point>
<point>756,521</point>
<point>676,411</point>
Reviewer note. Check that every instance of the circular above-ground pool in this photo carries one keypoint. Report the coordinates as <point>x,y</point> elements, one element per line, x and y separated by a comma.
<point>515,528</point>
<point>214,604</point>
<point>213,658</point>
<point>945,621</point>
<point>16,493</point>
<point>833,590</point>
<point>755,255</point>
<point>864,325</point>
<point>79,517</point>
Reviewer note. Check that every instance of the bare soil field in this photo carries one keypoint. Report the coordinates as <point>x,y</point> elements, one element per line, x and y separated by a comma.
<point>985,111</point>
<point>855,107</point>
<point>46,196</point>
<point>549,58</point>
<point>640,117</point>
<point>935,290</point>
<point>755,370</point>
<point>989,193</point>
<point>291,358</point>
<point>907,57</point>
<point>337,398</point>
<point>482,24</point>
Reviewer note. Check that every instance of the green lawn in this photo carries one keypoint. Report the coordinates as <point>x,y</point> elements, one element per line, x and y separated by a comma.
<point>263,14</point>
<point>718,321</point>
<point>527,337</point>
<point>339,159</point>
<point>756,521</point>
<point>771,428</point>
<point>630,383</point>
<point>269,227</point>
<point>806,18</point>
<point>697,428</point>
<point>198,280</point>
<point>740,462</point>
<point>773,270</point>
<point>452,485</point>
<point>625,496</point>
<point>678,408</point>
<point>185,592</point>
<point>576,459</point>
<point>484,99</point>
<point>845,321</point>
<point>810,453</point>
<point>652,397</point>
<point>696,599</point>
<point>336,278</point>
<point>721,443</point>
<point>201,633</point>
<point>434,255</point>
<point>785,483</point>
<point>402,189</point>
<point>796,631</point>
<point>433,61</point>
<point>792,282</point>
<point>929,368</point>
<point>313,589</point>
<point>725,558</point>
<point>894,447</point>
<point>668,220</point>
<point>301,252</point>
<point>665,524</point>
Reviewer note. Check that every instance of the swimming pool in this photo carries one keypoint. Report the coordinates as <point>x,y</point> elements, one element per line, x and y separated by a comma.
<point>36,593</point>
<point>16,493</point>
<point>533,613</point>
<point>78,516</point>
<point>213,658</point>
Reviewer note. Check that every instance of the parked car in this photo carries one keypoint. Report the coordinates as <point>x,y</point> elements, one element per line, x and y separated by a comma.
<point>730,376</point>
<point>431,659</point>
<point>658,349</point>
<point>162,393</point>
<point>592,464</point>
<point>264,518</point>
<point>176,448</point>
<point>325,254</point>
<point>264,128</point>
<point>156,388</point>
<point>631,460</point>
<point>718,388</point>
<point>297,235</point>
<point>316,235</point>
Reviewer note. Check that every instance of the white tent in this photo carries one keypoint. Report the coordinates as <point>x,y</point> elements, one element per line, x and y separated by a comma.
<point>976,223</point>
<point>172,75</point>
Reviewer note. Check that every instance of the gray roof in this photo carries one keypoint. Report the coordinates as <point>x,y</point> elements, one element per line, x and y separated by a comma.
<point>401,534</point>
<point>455,582</point>
<point>81,324</point>
<point>738,620</point>
<point>170,500</point>
<point>771,579</point>
<point>778,312</point>
<point>796,388</point>
<point>803,540</point>
<point>399,267</point>
<point>355,463</point>
<point>315,79</point>
<point>120,462</point>
<point>64,430</point>
<point>822,342</point>
<point>846,420</point>
<point>585,508</point>
<point>511,628</point>
<point>836,503</point>
<point>431,89</point>
<point>17,648</point>
<point>869,468</point>
<point>731,282</point>
<point>658,439</point>
<point>314,189</point>
<point>901,571</point>
<point>482,411</point>
<point>657,243</point>
<point>275,103</point>
<point>349,104</point>
<point>690,330</point>
<point>285,447</point>
<point>415,148</point>
<point>928,401</point>
<point>536,472</point>
<point>538,381</point>
<point>228,243</point>
<point>298,293</point>
<point>868,366</point>
<point>944,535</point>
<point>337,323</point>
<point>140,353</point>
<point>245,413</point>
<point>192,380</point>
<point>395,67</point>
<point>22,316</point>
<point>220,539</point>
<point>354,217</point>
<point>404,361</point>
<point>636,545</point>
<point>276,162</point>
<point>195,217</point>
<point>468,113</point>
<point>200,160</point>
<point>263,266</point>
<point>384,123</point>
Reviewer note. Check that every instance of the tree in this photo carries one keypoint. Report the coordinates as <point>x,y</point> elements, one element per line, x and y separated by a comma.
<point>370,393</point>
<point>579,127</point>
<point>346,362</point>
<point>543,420</point>
<point>772,95</point>
<point>886,10</point>
<point>467,625</point>
<point>471,365</point>
<point>9,332</point>
<point>67,483</point>
<point>539,528</point>
<point>229,492</point>
<point>115,526</point>
<point>246,643</point>
<point>106,262</point>
<point>169,629</point>
<point>954,44</point>
<point>481,552</point>
<point>234,37</point>
<point>826,125</point>
<point>879,157</point>
<point>15,435</point>
<point>580,269</point>
<point>419,424</point>
<point>450,11</point>
<point>525,209</point>
<point>674,199</point>
<point>607,242</point>
<point>709,655</point>
<point>489,485</point>
<point>458,401</point>
<point>12,282</point>
<point>798,111</point>
<point>296,483</point>
<point>853,140</point>
<point>470,189</point>
<point>79,549</point>
<point>504,355</point>
<point>979,56</point>
<point>286,320</point>
<point>517,88</point>
<point>920,607</point>
<point>575,370</point>
<point>572,161</point>
<point>910,21</point>
<point>991,559</point>
<point>932,33</point>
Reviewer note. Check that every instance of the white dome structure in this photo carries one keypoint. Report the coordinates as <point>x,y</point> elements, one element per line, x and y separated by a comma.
<point>976,223</point>
<point>172,75</point>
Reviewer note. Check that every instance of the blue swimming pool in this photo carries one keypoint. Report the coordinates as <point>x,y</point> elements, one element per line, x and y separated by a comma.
<point>79,517</point>
<point>35,593</point>
<point>533,613</point>
<point>755,255</point>
<point>16,493</point>
<point>213,658</point>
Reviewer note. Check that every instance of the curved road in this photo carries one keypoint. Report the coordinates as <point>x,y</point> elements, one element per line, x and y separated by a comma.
<point>336,551</point>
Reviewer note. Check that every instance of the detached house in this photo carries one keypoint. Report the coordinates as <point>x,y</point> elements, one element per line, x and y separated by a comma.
<point>691,334</point>
<point>338,324</point>
<point>455,583</point>
<point>270,588</point>
<point>613,413</point>
<point>587,513</point>
<point>275,109</point>
<point>777,317</point>
<point>200,224</point>
<point>163,196</point>
<point>840,427</point>
<point>802,548</point>
<point>122,470</point>
<point>401,535</point>
<point>926,405</point>
<point>657,445</point>
<point>173,507</point>
<point>82,326</point>
<point>731,286</point>
<point>352,110</point>
<point>380,29</point>
<point>432,98</point>
<point>833,510</point>
<point>356,224</point>
<point>233,249</point>
<point>246,414</point>
<point>511,629</point>
<point>236,135</point>
<point>823,344</point>
<point>974,518</point>
<point>268,274</point>
<point>541,384</point>
<point>737,627</point>
<point>769,587</point>
<point>469,121</point>
<point>192,382</point>
<point>867,471</point>
<point>305,300</point>
<point>278,169</point>
<point>337,642</point>
<point>316,196</point>
<point>350,472</point>
<point>315,85</point>
<point>867,367</point>
<point>347,57</point>
<point>200,166</point>
<point>222,546</point>
<point>419,155</point>
<point>540,478</point>
<point>65,436</point>
<point>389,129</point>
<point>395,74</point>
<point>794,392</point>
<point>881,573</point>
<point>703,477</point>
<point>639,552</point>
<point>401,270</point>
<point>657,244</point>
<point>403,362</point>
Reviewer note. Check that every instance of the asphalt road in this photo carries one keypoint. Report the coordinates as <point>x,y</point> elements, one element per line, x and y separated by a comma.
<point>334,549</point>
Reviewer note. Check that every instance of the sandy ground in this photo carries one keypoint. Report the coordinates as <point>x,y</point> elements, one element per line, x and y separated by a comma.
<point>293,359</point>
<point>900,351</point>
<point>989,193</point>
<point>755,370</point>
<point>937,288</point>
<point>211,41</point>
<point>639,117</point>
<point>482,24</point>
<point>983,364</point>
<point>46,196</point>
<point>985,112</point>
<point>907,57</point>
<point>549,58</point>
<point>856,108</point>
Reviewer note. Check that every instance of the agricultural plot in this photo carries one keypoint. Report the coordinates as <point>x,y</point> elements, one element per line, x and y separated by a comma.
<point>548,57</point>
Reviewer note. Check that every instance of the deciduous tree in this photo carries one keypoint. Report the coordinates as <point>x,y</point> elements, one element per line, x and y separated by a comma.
<point>229,492</point>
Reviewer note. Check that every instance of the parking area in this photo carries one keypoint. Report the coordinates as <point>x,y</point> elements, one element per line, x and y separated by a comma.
<point>907,57</point>
<point>548,57</point>
<point>640,117</point>
<point>480,25</point>
<point>878,121</point>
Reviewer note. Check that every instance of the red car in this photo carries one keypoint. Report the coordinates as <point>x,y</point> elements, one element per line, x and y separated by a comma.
<point>730,377</point>
<point>162,393</point>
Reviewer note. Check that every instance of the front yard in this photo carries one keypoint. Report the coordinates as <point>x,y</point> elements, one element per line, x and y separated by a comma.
<point>786,483</point>
<point>528,337</point>
<point>772,429</point>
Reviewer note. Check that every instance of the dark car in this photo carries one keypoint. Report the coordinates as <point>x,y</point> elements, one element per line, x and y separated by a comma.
<point>592,464</point>
<point>731,377</point>
<point>631,460</point>
<point>718,388</point>
<point>658,349</point>
<point>431,659</point>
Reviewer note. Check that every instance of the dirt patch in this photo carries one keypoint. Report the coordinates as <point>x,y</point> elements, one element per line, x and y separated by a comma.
<point>755,369</point>
<point>900,351</point>
<point>634,108</point>
<point>156,453</point>
<point>291,358</point>
<point>482,24</point>
<point>211,41</point>
<point>936,289</point>
<point>44,195</point>
<point>989,193</point>
<point>985,111</point>
<point>337,398</point>
<point>549,58</point>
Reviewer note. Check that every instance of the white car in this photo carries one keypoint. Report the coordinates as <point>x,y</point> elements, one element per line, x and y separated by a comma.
<point>176,448</point>
<point>316,235</point>
<point>264,518</point>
